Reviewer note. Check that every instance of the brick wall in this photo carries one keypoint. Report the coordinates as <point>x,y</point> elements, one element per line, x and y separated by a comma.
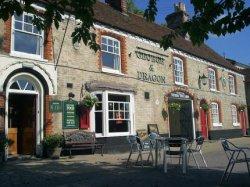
<point>7,36</point>
<point>2,106</point>
<point>48,44</point>
<point>48,128</point>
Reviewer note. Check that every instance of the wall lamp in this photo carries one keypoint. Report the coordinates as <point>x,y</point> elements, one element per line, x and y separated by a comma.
<point>202,80</point>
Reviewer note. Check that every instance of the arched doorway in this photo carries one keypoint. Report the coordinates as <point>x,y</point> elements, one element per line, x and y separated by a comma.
<point>181,118</point>
<point>24,118</point>
<point>203,118</point>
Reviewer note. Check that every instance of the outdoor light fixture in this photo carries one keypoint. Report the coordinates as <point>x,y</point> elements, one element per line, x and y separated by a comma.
<point>203,80</point>
<point>71,95</point>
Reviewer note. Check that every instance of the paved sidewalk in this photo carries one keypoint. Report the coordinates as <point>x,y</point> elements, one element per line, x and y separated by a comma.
<point>110,170</point>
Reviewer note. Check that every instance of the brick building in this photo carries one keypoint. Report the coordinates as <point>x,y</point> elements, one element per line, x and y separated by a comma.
<point>186,90</point>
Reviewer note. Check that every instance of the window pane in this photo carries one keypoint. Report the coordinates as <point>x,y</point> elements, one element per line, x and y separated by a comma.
<point>108,60</point>
<point>28,19</point>
<point>111,106</point>
<point>110,49</point>
<point>104,47</point>
<point>119,126</point>
<point>104,40</point>
<point>22,83</point>
<point>116,97</point>
<point>116,106</point>
<point>19,18</point>
<point>99,97</point>
<point>111,115</point>
<point>15,86</point>
<point>98,106</point>
<point>110,42</point>
<point>27,43</point>
<point>27,27</point>
<point>18,25</point>
<point>35,30</point>
<point>98,122</point>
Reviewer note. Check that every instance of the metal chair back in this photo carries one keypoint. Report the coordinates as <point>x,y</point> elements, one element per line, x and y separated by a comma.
<point>199,143</point>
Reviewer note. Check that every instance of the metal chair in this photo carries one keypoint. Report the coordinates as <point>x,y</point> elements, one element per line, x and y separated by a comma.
<point>139,146</point>
<point>174,148</point>
<point>233,154</point>
<point>197,151</point>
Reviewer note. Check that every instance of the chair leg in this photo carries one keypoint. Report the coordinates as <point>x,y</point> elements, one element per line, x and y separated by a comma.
<point>129,158</point>
<point>102,150</point>
<point>225,172</point>
<point>230,171</point>
<point>140,154</point>
<point>137,158</point>
<point>164,163</point>
<point>203,159</point>
<point>70,155</point>
<point>195,160</point>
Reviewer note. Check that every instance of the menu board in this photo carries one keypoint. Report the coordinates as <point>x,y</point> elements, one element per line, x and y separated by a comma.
<point>55,106</point>
<point>70,117</point>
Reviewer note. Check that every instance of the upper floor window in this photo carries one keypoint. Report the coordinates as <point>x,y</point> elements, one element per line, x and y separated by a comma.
<point>111,56</point>
<point>26,37</point>
<point>234,115</point>
<point>231,81</point>
<point>215,114</point>
<point>212,79</point>
<point>178,71</point>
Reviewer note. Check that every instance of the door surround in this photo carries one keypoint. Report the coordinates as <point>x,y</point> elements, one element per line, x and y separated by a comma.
<point>182,95</point>
<point>39,92</point>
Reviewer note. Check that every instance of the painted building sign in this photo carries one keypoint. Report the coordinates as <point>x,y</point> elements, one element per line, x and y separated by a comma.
<point>55,106</point>
<point>70,117</point>
<point>150,76</point>
<point>149,57</point>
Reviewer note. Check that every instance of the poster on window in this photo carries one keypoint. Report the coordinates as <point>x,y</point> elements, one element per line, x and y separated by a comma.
<point>70,117</point>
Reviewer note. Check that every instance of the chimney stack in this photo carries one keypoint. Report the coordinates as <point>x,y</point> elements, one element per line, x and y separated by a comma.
<point>178,17</point>
<point>120,5</point>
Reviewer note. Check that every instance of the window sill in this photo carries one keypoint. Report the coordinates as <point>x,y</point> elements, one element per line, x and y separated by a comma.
<point>180,84</point>
<point>113,135</point>
<point>217,125</point>
<point>233,94</point>
<point>108,71</point>
<point>213,90</point>
<point>27,56</point>
<point>236,124</point>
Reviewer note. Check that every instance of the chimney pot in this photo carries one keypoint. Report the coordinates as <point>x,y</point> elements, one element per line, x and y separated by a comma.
<point>120,5</point>
<point>180,7</point>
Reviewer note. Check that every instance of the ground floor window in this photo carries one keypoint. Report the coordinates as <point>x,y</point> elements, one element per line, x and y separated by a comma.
<point>215,114</point>
<point>113,114</point>
<point>234,115</point>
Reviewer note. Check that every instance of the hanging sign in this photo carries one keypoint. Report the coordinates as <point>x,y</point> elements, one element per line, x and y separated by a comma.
<point>70,117</point>
<point>55,106</point>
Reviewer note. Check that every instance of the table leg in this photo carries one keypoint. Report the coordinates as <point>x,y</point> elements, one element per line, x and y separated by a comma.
<point>184,166</point>
<point>156,153</point>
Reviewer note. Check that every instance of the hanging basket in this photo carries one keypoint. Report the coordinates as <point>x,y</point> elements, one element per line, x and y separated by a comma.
<point>175,106</point>
<point>205,106</point>
<point>241,108</point>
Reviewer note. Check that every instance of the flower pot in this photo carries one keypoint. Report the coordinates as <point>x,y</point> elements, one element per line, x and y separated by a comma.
<point>54,153</point>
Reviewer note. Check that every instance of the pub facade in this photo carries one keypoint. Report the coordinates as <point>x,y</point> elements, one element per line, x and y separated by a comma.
<point>186,90</point>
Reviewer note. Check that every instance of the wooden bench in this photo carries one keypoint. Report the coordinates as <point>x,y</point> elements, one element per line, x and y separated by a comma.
<point>81,140</point>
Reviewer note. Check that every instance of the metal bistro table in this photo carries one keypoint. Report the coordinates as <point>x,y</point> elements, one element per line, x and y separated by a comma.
<point>161,141</point>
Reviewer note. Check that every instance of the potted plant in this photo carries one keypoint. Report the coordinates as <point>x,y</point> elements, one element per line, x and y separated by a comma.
<point>4,142</point>
<point>241,108</point>
<point>53,145</point>
<point>88,101</point>
<point>205,106</point>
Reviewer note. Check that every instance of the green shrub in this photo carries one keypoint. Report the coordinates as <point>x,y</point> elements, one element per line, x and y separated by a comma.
<point>4,142</point>
<point>53,141</point>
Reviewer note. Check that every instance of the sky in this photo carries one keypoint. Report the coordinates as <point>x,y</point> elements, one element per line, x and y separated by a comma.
<point>235,46</point>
